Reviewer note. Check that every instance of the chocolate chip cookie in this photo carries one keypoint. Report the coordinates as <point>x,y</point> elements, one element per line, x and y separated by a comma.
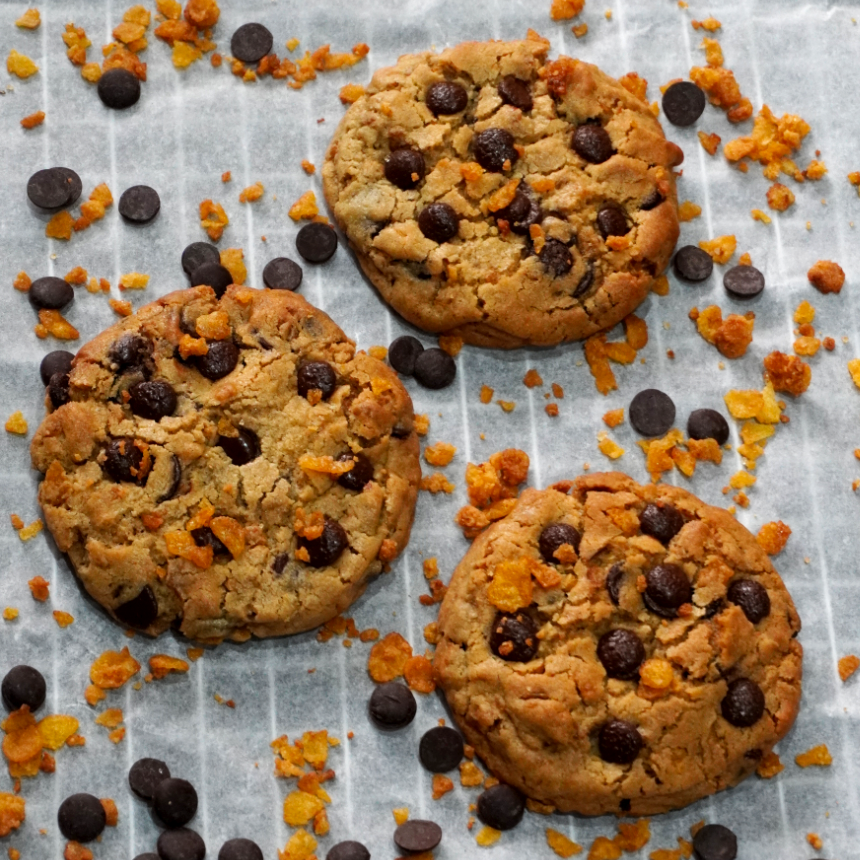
<point>492,194</point>
<point>610,647</point>
<point>231,466</point>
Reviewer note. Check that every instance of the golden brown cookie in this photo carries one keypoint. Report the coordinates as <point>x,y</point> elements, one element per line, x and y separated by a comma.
<point>491,194</point>
<point>228,466</point>
<point>619,648</point>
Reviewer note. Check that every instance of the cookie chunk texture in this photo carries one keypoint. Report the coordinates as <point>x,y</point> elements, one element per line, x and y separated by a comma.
<point>494,195</point>
<point>611,647</point>
<point>231,467</point>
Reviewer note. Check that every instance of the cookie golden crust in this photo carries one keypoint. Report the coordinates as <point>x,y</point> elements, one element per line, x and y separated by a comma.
<point>533,695</point>
<point>227,517</point>
<point>531,261</point>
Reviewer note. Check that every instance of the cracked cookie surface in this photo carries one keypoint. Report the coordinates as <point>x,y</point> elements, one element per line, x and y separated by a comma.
<point>509,200</point>
<point>230,467</point>
<point>611,647</point>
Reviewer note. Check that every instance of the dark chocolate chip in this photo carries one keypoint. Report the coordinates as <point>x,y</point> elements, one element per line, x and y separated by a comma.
<point>405,168</point>
<point>438,222</point>
<point>515,92</point>
<point>327,548</point>
<point>592,143</point>
<point>145,775</point>
<point>743,705</point>
<point>348,851</point>
<point>319,375</point>
<point>441,749</point>
<point>445,98</point>
<point>58,361</point>
<point>140,611</point>
<point>554,536</point>
<point>501,807</point>
<point>175,480</point>
<point>693,264</point>
<point>118,89</point>
<point>74,183</point>
<point>153,399</point>
<point>521,213</point>
<point>123,460</point>
<point>621,652</point>
<point>181,844</point>
<point>282,274</point>
<point>613,581</point>
<point>240,849</point>
<point>652,413</point>
<point>493,148</point>
<point>198,253</point>
<point>667,589</point>
<point>585,282</point>
<point>221,359</point>
<point>175,801</point>
<point>50,188</point>
<point>708,424</point>
<point>359,475</point>
<point>683,103</point>
<point>212,275</point>
<point>611,221</point>
<point>204,536</point>
<point>50,293</point>
<point>392,706</point>
<point>139,204</point>
<point>661,522</point>
<point>624,806</point>
<point>58,390</point>
<point>434,368</point>
<point>713,608</point>
<point>715,842</point>
<point>403,352</point>
<point>280,562</point>
<point>752,597</point>
<point>149,855</point>
<point>81,817</point>
<point>417,835</point>
<point>619,742</point>
<point>742,282</point>
<point>241,449</point>
<point>556,257</point>
<point>513,637</point>
<point>251,42</point>
<point>131,350</point>
<point>652,201</point>
<point>23,685</point>
<point>316,242</point>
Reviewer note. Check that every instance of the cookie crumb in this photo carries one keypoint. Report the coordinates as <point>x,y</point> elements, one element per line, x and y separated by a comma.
<point>779,197</point>
<point>436,483</point>
<point>33,120</point>
<point>769,766</point>
<point>551,409</point>
<point>826,276</point>
<point>815,841</point>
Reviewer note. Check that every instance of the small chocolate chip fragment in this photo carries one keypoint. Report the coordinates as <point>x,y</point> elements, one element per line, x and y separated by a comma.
<point>175,801</point>
<point>521,213</point>
<point>58,361</point>
<point>198,253</point>
<point>81,817</point>
<point>23,685</point>
<point>50,293</point>
<point>743,705</point>
<point>204,536</point>
<point>359,475</point>
<point>403,352</point>
<point>619,742</point>
<point>441,749</point>
<point>51,188</point>
<point>556,257</point>
<point>714,607</point>
<point>181,844</point>
<point>131,350</point>
<point>118,89</point>
<point>585,282</point>
<point>175,480</point>
<point>417,835</point>
<point>438,222</point>
<point>752,597</point>
<point>611,221</point>
<point>434,368</point>
<point>621,652</point>
<point>708,424</point>
<point>241,449</point>
<point>742,282</point>
<point>319,375</point>
<point>145,775</point>
<point>348,850</point>
<point>153,399</point>
<point>515,92</point>
<point>139,204</point>
<point>445,98</point>
<point>405,168</point>
<point>693,264</point>
<point>212,275</point>
<point>667,589</point>
<point>316,242</point>
<point>240,849</point>
<point>652,413</point>
<point>592,143</point>
<point>715,842</point>
<point>58,390</point>
<point>221,359</point>
<point>513,637</point>
<point>282,274</point>
<point>553,537</point>
<point>140,611</point>
<point>251,42</point>
<point>123,460</point>
<point>652,201</point>
<point>613,581</point>
<point>683,103</point>
<point>328,547</point>
<point>494,149</point>
<point>392,705</point>
<point>661,522</point>
<point>501,807</point>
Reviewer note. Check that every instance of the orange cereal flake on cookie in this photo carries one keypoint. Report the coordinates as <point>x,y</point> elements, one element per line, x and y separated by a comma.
<point>818,756</point>
<point>388,658</point>
<point>512,586</point>
<point>826,276</point>
<point>112,669</point>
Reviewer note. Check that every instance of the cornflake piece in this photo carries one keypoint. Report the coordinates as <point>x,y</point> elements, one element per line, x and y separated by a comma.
<point>112,669</point>
<point>305,208</point>
<point>10,613</point>
<point>300,807</point>
<point>564,10</point>
<point>779,197</point>
<point>22,282</point>
<point>12,812</point>
<point>388,658</point>
<point>604,848</point>
<point>470,774</point>
<point>720,249</point>
<point>63,619</point>
<point>30,20</point>
<point>607,446</point>
<point>133,281</point>
<point>511,587</point>
<point>419,674</point>
<point>614,417</point>
<point>252,193</point>
<point>562,846</point>
<point>351,93</point>
<point>848,666</point>
<point>771,142</point>
<point>709,24</point>
<point>300,846</point>
<point>20,65</point>
<point>488,836</point>
<point>117,735</point>
<point>17,424</point>
<point>722,90</point>
<point>60,226</point>
<point>818,756</point>
<point>436,483</point>
<point>441,785</point>
<point>713,52</point>
<point>731,336</point>
<point>598,364</point>
<point>787,373</point>
<point>440,454</point>
<point>31,530</point>
<point>636,332</point>
<point>486,394</point>
<point>213,219</point>
<point>56,729</point>
<point>804,314</point>
<point>33,120</point>
<point>709,142</point>
<point>632,837</point>
<point>110,718</point>
<point>769,766</point>
<point>162,665</point>
<point>826,276</point>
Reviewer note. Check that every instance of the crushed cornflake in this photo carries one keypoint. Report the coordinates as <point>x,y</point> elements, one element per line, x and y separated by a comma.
<point>33,120</point>
<point>63,619</point>
<point>112,669</point>
<point>804,314</point>
<point>488,836</point>
<point>213,219</point>
<point>12,812</point>
<point>720,249</point>
<point>731,336</point>
<point>673,451</point>
<point>579,30</point>
<point>10,613</point>
<point>39,588</point>
<point>162,665</point>
<point>451,343</point>
<point>20,65</point>
<point>110,718</point>
<point>493,487</point>
<point>688,210</point>
<point>826,276</point>
<point>22,282</point>
<point>507,405</point>
<point>440,454</point>
<point>562,846</point>
<point>604,848</point>
<point>818,756</point>
<point>123,309</point>
<point>28,532</point>
<point>760,215</point>
<point>614,417</point>
<point>771,142</point>
<point>388,658</point>
<point>30,20</point>
<point>305,208</point>
<point>848,666</point>
<point>787,373</point>
<point>709,142</point>
<point>133,281</point>
<point>709,24</point>
<point>53,323</point>
<point>722,90</point>
<point>564,10</point>
<point>772,537</point>
<point>436,483</point>
<point>713,52</point>
<point>441,785</point>
<point>607,446</point>
<point>60,226</point>
<point>252,193</point>
<point>300,846</point>
<point>422,424</point>
<point>770,766</point>
<point>17,424</point>
<point>779,197</point>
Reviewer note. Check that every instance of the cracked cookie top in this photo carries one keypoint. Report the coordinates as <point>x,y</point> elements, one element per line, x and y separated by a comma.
<point>611,647</point>
<point>230,467</point>
<point>509,200</point>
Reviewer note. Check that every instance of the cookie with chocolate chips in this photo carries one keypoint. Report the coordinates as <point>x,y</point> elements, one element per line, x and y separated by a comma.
<point>611,647</point>
<point>497,196</point>
<point>228,466</point>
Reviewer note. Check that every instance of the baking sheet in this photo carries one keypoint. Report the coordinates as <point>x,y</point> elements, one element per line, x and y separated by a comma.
<point>191,126</point>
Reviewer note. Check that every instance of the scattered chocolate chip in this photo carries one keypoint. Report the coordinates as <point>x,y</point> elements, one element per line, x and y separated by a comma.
<point>153,399</point>
<point>392,706</point>
<point>434,368</point>
<point>175,480</point>
<point>319,375</point>
<point>359,475</point>
<point>81,817</point>
<point>204,536</point>
<point>175,801</point>
<point>708,424</point>
<point>556,257</point>
<point>661,522</point>
<point>494,148</point>
<point>621,652</point>
<point>438,222</point>
<point>52,188</point>
<point>251,42</point>
<point>592,143</point>
<point>140,611</point>
<point>50,293</point>
<point>23,685</point>
<point>501,807</point>
<point>221,359</point>
<point>515,92</point>
<point>241,449</point>
<point>139,204</point>
<point>613,581</point>
<point>282,274</point>
<point>652,412</point>
<point>445,98</point>
<point>181,844</point>
<point>554,536</point>
<point>441,749</point>
<point>416,836</point>
<point>123,460</point>
<point>405,168</point>
<point>715,842</point>
<point>693,264</point>
<point>58,390</point>
<point>521,213</point>
<point>752,597</point>
<point>611,221</point>
<point>212,275</point>
<point>131,350</point>
<point>743,704</point>
<point>118,89</point>
<point>145,775</point>
<point>742,282</point>
<point>240,849</point>
<point>403,352</point>
<point>348,851</point>
<point>58,361</point>
<point>683,103</point>
<point>585,282</point>
<point>198,253</point>
<point>667,589</point>
<point>619,742</point>
<point>513,637</point>
<point>327,548</point>
<point>316,242</point>
<point>652,201</point>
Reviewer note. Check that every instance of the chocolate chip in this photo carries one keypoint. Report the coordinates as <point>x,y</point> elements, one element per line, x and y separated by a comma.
<point>708,424</point>
<point>403,352</point>
<point>392,706</point>
<point>613,581</point>
<point>359,475</point>
<point>661,522</point>
<point>585,281</point>
<point>74,183</point>
<point>282,274</point>
<point>240,849</point>
<point>434,368</point>
<point>348,851</point>
<point>52,188</point>
<point>554,536</point>
<point>693,264</point>
<point>713,608</point>
<point>445,98</point>
<point>752,597</point>
<point>221,359</point>
<point>280,562</point>
<point>683,103</point>
<point>319,375</point>
<point>501,807</point>
<point>23,685</point>
<point>592,143</point>
<point>416,836</point>
<point>175,801</point>
<point>327,548</point>
<point>58,361</point>
<point>715,842</point>
<point>404,168</point>
<point>50,293</point>
<point>140,611</point>
<point>149,855</point>
<point>742,282</point>
<point>81,817</point>
<point>198,253</point>
<point>521,213</point>
<point>241,449</point>
<point>204,536</point>
<point>621,652</point>
<point>652,201</point>
<point>493,148</point>
<point>667,589</point>
<point>131,350</point>
<point>212,275</point>
<point>438,222</point>
<point>316,242</point>
<point>441,749</point>
<point>513,637</point>
<point>58,390</point>
<point>181,844</point>
<point>154,399</point>
<point>251,42</point>
<point>619,742</point>
<point>175,480</point>
<point>652,412</point>
<point>139,204</point>
<point>743,704</point>
<point>556,257</point>
<point>515,92</point>
<point>145,775</point>
<point>118,89</point>
<point>123,460</point>
<point>611,221</point>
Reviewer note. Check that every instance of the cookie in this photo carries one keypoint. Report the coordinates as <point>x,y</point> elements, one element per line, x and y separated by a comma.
<point>508,200</point>
<point>611,647</point>
<point>231,467</point>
